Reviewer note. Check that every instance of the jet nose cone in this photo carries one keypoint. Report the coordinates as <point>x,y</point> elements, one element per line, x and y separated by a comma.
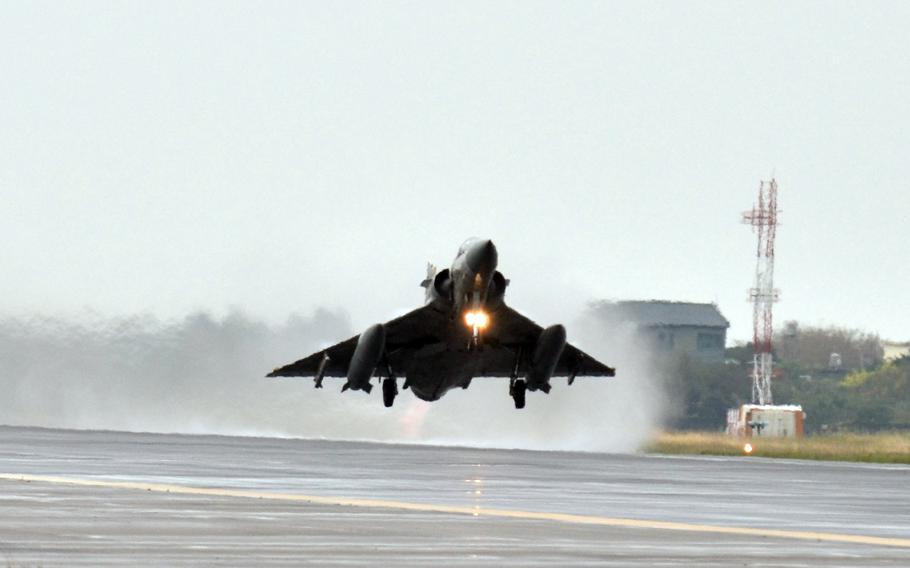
<point>482,257</point>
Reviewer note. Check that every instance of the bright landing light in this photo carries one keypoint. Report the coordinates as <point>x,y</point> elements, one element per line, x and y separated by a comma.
<point>477,319</point>
<point>747,448</point>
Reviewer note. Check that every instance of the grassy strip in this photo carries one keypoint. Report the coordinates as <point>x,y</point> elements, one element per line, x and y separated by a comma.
<point>889,447</point>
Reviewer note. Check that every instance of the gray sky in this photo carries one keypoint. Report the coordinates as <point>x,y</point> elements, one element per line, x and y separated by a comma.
<point>166,157</point>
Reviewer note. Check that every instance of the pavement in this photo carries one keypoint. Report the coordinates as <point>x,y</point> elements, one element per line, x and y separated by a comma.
<point>111,498</point>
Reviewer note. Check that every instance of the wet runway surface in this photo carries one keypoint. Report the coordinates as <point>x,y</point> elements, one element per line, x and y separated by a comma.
<point>52,523</point>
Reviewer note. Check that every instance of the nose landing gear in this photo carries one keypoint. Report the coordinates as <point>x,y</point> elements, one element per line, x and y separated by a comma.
<point>476,342</point>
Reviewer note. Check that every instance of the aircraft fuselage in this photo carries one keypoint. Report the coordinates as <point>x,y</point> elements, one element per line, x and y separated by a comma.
<point>472,273</point>
<point>463,330</point>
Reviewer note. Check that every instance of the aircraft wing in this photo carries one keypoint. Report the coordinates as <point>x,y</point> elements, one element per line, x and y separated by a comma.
<point>413,329</point>
<point>510,331</point>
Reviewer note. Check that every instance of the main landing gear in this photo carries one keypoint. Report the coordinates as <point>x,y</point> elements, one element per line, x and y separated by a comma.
<point>389,384</point>
<point>389,391</point>
<point>517,389</point>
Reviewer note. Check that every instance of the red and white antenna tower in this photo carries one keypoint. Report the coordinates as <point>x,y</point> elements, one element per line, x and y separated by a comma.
<point>763,218</point>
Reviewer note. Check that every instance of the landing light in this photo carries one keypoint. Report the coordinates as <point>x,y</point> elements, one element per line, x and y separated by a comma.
<point>747,448</point>
<point>477,319</point>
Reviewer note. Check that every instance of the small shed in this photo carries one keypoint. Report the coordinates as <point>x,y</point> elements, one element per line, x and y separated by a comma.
<point>766,421</point>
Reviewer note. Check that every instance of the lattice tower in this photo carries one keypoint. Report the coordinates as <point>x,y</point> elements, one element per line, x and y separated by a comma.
<point>763,218</point>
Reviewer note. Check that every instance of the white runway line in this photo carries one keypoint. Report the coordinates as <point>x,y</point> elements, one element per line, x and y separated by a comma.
<point>475,511</point>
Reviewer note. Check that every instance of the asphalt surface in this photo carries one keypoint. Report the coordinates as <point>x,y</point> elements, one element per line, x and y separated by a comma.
<point>212,500</point>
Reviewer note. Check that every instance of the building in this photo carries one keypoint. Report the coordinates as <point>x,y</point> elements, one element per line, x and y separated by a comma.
<point>894,351</point>
<point>673,328</point>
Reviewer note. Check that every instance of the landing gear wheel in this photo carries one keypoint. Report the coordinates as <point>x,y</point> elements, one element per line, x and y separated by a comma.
<point>389,392</point>
<point>519,388</point>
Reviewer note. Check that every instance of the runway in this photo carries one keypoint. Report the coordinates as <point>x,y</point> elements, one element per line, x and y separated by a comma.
<point>76,497</point>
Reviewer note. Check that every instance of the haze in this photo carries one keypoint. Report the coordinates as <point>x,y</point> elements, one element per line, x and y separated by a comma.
<point>161,158</point>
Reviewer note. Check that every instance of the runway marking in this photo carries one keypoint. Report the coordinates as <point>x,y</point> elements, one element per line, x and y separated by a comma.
<point>474,511</point>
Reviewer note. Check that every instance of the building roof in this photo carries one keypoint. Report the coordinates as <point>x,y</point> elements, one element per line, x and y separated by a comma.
<point>659,313</point>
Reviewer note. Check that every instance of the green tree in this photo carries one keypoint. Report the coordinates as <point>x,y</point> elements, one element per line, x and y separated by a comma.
<point>703,392</point>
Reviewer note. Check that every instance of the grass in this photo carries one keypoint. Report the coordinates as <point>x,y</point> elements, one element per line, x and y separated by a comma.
<point>888,447</point>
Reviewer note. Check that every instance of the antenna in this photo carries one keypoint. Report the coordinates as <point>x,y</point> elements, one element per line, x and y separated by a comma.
<point>763,218</point>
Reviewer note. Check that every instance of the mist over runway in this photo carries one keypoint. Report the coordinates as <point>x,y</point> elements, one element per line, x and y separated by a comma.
<point>187,499</point>
<point>205,374</point>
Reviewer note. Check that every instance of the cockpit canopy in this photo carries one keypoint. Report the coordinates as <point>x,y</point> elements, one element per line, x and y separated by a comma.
<point>466,245</point>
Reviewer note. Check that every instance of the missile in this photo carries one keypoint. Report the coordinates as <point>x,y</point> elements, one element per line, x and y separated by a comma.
<point>320,372</point>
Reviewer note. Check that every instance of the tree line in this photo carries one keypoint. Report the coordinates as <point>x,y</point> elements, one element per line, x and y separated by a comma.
<point>838,375</point>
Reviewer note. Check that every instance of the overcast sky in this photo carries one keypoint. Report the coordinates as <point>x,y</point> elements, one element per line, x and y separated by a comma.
<point>277,157</point>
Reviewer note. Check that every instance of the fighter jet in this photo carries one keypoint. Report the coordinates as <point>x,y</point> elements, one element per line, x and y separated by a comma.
<point>463,331</point>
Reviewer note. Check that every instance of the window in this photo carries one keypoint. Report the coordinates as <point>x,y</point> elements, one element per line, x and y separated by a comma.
<point>710,342</point>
